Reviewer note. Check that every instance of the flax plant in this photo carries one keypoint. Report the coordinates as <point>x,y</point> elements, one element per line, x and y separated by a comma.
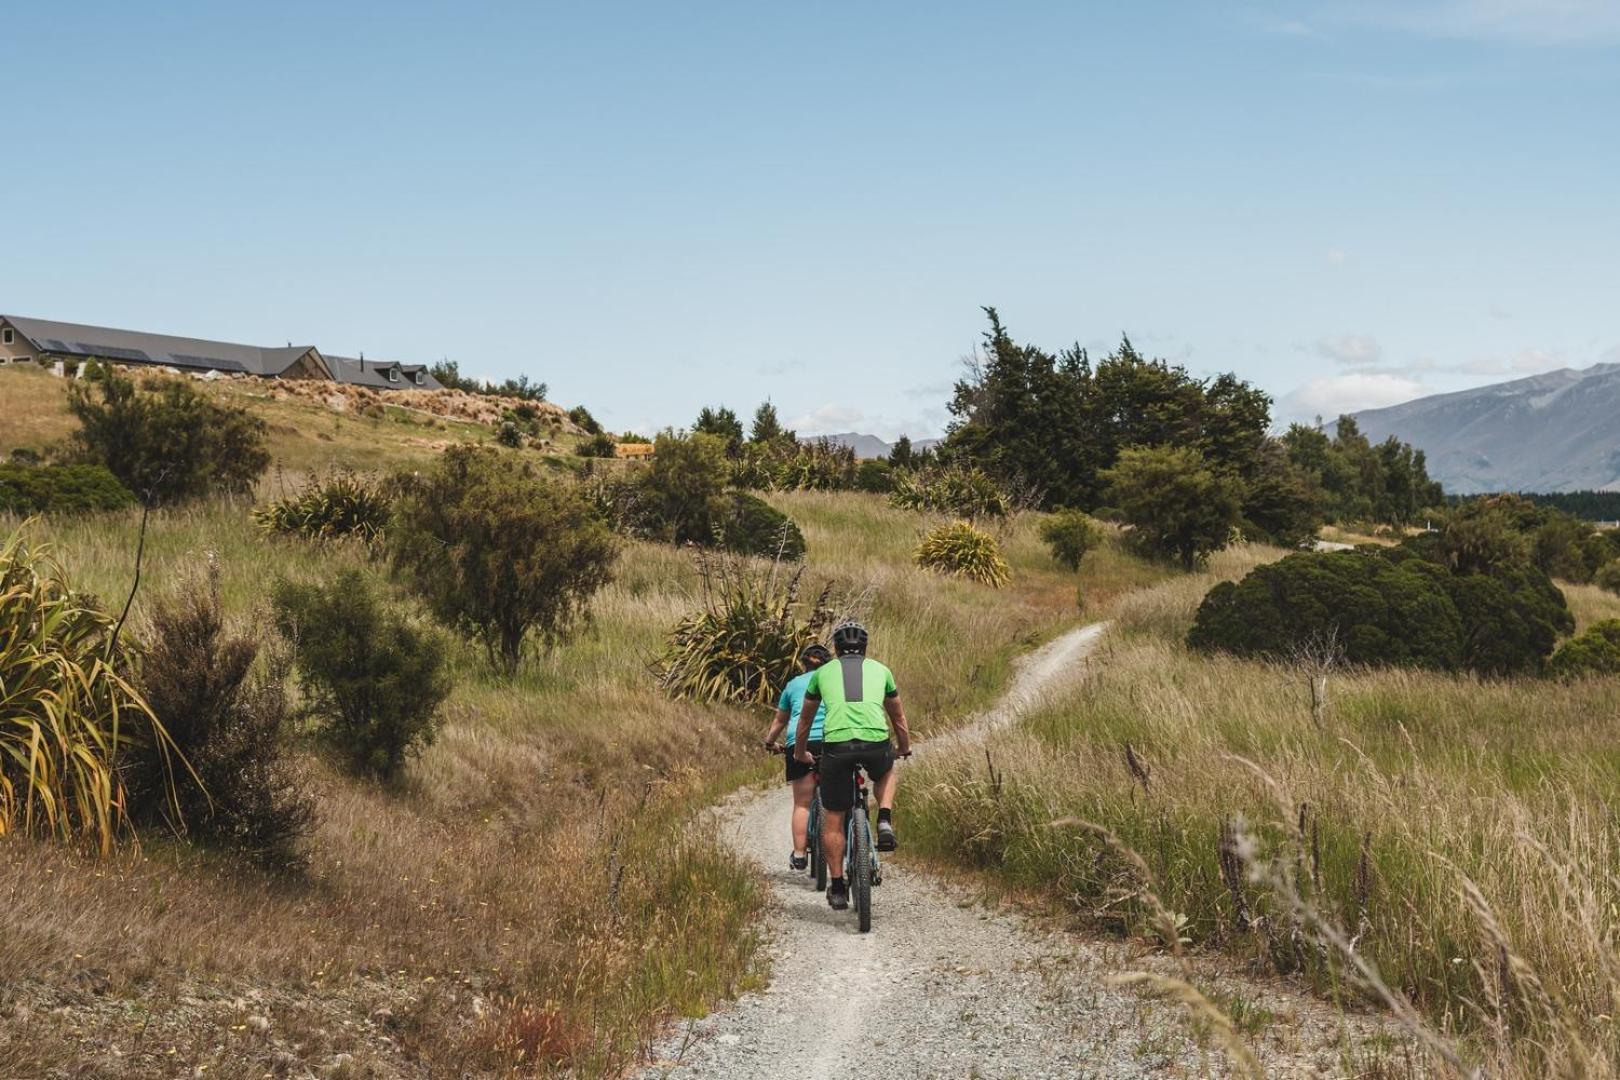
<point>66,707</point>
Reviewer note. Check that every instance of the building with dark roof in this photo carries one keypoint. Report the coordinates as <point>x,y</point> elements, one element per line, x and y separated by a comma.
<point>381,374</point>
<point>45,341</point>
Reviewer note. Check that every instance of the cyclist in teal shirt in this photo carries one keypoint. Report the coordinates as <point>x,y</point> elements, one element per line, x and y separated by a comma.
<point>799,774</point>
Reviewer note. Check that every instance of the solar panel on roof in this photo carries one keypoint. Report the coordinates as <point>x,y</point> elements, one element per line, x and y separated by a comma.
<point>185,360</point>
<point>112,352</point>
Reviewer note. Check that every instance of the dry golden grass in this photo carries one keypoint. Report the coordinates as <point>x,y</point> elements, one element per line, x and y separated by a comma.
<point>1459,832</point>
<point>1590,604</point>
<point>532,891</point>
<point>304,434</point>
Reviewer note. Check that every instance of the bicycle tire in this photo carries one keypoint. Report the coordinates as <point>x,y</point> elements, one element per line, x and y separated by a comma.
<point>818,860</point>
<point>861,870</point>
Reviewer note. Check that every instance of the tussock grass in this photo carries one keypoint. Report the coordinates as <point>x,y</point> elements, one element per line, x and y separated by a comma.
<point>1456,834</point>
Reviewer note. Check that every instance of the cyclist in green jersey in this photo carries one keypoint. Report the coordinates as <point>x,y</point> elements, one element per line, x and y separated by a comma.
<point>862,706</point>
<point>799,775</point>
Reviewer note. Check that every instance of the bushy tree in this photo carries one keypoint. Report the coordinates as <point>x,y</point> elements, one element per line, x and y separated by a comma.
<point>876,476</point>
<point>1177,506</point>
<point>1070,534</point>
<point>582,418</point>
<point>499,552</point>
<point>1388,483</point>
<point>685,486</point>
<point>1595,651</point>
<point>169,442</point>
<point>1281,503</point>
<point>721,423</point>
<point>1055,423</point>
<point>229,720</point>
<point>374,679</point>
<point>1608,576</point>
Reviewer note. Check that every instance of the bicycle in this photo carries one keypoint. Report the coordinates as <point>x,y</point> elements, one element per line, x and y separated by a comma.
<point>862,868</point>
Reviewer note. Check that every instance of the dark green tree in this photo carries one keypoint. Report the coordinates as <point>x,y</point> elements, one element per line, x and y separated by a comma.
<point>1281,502</point>
<point>767,428</point>
<point>721,423</point>
<point>1177,506</point>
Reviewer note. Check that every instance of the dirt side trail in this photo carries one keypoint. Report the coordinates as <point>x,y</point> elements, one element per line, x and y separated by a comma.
<point>942,987</point>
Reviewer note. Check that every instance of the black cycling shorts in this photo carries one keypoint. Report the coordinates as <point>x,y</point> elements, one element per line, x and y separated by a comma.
<point>797,768</point>
<point>838,761</point>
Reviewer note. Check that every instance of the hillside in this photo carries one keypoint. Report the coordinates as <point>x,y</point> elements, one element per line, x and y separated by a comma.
<point>312,425</point>
<point>1559,431</point>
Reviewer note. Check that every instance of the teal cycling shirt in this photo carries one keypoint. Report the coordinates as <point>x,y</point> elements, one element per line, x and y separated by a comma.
<point>792,700</point>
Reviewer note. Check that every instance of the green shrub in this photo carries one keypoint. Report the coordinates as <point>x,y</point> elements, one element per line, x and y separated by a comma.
<point>60,489</point>
<point>1070,534</point>
<point>960,491</point>
<point>963,551</point>
<point>582,418</point>
<point>168,442</point>
<point>508,434</point>
<point>744,643</point>
<point>67,710</point>
<point>1608,576</point>
<point>337,507</point>
<point>1387,607</point>
<point>1177,506</point>
<point>875,476</point>
<point>229,721</point>
<point>753,526</point>
<point>499,552</point>
<point>599,445</point>
<point>685,487</point>
<point>1595,651</point>
<point>373,678</point>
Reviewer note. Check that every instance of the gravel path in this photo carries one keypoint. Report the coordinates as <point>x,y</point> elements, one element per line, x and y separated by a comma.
<point>941,987</point>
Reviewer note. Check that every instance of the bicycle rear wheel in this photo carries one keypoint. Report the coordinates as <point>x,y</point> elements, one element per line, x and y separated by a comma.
<point>860,885</point>
<point>818,860</point>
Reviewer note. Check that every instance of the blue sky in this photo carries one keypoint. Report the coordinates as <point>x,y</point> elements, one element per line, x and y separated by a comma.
<point>657,206</point>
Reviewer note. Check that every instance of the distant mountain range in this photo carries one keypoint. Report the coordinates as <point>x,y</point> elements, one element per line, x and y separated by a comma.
<point>1554,432</point>
<point>869,446</point>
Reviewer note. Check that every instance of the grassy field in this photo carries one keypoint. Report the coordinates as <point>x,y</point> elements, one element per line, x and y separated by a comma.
<point>1460,832</point>
<point>532,894</point>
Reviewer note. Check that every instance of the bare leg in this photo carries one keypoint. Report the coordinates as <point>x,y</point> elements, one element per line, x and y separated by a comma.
<point>886,788</point>
<point>832,841</point>
<point>804,790</point>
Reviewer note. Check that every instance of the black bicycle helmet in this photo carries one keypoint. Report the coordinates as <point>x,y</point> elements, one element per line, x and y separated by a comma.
<point>814,654</point>
<point>848,637</point>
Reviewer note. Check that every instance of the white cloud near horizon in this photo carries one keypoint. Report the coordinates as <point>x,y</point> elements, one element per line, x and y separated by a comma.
<point>1333,395</point>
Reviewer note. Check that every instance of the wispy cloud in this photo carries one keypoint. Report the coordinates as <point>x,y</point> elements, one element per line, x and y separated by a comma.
<point>1540,22</point>
<point>1353,350</point>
